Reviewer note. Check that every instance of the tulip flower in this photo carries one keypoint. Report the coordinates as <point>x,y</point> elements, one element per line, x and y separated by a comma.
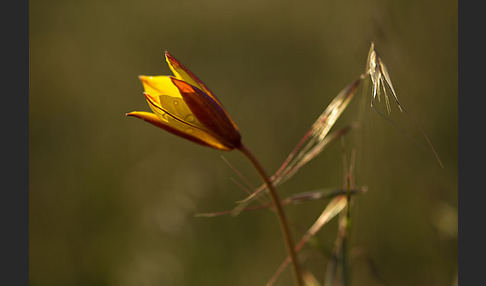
<point>184,106</point>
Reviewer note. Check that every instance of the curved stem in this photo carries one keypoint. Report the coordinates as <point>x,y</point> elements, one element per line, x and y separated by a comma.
<point>279,211</point>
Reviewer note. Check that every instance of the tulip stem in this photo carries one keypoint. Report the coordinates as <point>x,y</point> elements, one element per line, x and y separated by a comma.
<point>279,211</point>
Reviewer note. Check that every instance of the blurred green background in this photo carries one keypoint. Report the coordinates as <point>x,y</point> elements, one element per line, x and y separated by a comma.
<point>112,199</point>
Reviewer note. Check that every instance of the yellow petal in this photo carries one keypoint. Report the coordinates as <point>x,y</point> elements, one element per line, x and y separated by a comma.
<point>159,85</point>
<point>180,129</point>
<point>166,115</point>
<point>183,73</point>
<point>188,124</point>
<point>209,113</point>
<point>164,97</point>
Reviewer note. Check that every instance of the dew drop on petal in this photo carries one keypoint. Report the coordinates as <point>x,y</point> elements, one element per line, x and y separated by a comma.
<point>167,117</point>
<point>189,118</point>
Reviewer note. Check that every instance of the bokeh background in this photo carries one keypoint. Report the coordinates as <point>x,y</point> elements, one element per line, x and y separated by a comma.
<point>112,199</point>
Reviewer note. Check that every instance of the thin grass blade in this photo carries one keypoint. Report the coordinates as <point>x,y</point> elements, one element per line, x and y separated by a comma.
<point>313,142</point>
<point>299,198</point>
<point>333,208</point>
<point>381,83</point>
